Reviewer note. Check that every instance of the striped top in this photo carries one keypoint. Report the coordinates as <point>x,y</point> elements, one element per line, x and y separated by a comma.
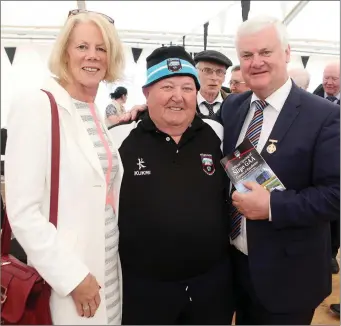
<point>109,162</point>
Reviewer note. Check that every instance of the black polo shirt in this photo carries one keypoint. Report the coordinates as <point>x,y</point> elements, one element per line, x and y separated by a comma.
<point>173,217</point>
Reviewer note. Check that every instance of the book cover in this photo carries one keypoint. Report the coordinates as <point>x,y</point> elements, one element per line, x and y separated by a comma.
<point>246,164</point>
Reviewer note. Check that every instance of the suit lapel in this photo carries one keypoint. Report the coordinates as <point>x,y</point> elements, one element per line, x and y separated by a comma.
<point>239,121</point>
<point>72,121</point>
<point>285,119</point>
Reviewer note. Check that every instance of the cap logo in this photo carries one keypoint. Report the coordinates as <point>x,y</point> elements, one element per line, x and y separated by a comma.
<point>174,65</point>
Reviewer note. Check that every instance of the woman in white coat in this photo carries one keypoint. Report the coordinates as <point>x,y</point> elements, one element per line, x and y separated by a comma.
<point>79,259</point>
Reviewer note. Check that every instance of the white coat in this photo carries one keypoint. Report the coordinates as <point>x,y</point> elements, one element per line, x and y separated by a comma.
<point>64,256</point>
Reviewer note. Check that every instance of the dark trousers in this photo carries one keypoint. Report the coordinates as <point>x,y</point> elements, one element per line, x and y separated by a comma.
<point>335,236</point>
<point>204,300</point>
<point>249,310</point>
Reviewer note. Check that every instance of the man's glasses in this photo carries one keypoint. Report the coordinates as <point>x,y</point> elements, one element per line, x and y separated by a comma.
<point>236,82</point>
<point>209,71</point>
<point>80,11</point>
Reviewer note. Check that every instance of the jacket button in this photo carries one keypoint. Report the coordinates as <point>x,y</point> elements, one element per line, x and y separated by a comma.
<point>167,138</point>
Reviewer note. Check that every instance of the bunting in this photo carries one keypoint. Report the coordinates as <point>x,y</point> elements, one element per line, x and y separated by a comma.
<point>136,53</point>
<point>10,51</point>
<point>305,59</point>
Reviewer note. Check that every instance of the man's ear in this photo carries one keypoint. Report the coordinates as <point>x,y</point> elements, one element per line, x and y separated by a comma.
<point>145,91</point>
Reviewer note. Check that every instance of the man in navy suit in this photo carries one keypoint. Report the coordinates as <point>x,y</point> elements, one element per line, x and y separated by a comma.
<point>281,239</point>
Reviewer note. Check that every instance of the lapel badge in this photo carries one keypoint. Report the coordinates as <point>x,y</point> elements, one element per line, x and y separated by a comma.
<point>237,153</point>
<point>207,163</point>
<point>272,147</point>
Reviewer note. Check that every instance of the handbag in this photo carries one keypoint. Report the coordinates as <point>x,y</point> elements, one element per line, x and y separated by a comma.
<point>25,296</point>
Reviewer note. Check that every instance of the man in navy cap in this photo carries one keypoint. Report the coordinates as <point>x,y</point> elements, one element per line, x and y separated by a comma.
<point>211,66</point>
<point>173,218</point>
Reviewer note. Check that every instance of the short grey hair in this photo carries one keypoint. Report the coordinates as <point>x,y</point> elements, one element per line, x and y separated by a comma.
<point>235,68</point>
<point>258,23</point>
<point>300,76</point>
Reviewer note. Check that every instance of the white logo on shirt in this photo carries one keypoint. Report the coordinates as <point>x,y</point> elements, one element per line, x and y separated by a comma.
<point>140,163</point>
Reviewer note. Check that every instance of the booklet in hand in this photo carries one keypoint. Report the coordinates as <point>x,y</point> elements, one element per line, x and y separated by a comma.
<point>246,164</point>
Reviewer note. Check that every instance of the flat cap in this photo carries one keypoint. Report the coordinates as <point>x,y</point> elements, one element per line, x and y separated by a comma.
<point>213,56</point>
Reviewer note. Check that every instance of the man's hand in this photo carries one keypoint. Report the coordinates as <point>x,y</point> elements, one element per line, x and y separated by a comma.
<point>254,205</point>
<point>131,115</point>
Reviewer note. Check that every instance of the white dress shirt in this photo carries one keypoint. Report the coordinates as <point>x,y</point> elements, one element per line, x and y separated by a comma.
<point>276,101</point>
<point>203,109</point>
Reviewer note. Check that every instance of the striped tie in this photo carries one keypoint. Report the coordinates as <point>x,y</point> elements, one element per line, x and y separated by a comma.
<point>253,133</point>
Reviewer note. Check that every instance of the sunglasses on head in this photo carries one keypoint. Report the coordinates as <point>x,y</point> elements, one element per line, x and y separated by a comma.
<point>81,11</point>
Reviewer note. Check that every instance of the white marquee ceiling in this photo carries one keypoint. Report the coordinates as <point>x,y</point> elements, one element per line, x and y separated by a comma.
<point>314,27</point>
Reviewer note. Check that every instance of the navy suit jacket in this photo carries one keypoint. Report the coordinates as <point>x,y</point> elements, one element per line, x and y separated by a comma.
<point>290,257</point>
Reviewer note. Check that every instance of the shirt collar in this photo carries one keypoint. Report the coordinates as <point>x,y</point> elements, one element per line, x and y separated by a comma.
<point>278,97</point>
<point>201,99</point>
<point>337,95</point>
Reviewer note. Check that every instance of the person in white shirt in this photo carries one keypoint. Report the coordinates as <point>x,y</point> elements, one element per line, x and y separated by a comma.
<point>211,66</point>
<point>281,239</point>
<point>237,82</point>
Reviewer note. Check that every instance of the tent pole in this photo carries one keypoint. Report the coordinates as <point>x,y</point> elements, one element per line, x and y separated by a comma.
<point>205,35</point>
<point>294,12</point>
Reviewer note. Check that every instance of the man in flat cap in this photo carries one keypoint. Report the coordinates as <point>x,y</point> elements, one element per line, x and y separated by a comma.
<point>211,66</point>
<point>174,226</point>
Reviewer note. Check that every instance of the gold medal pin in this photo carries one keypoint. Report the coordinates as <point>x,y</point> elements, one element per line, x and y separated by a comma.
<point>272,147</point>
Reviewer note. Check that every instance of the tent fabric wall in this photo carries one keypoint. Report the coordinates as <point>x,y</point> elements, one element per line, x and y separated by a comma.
<point>29,70</point>
<point>29,67</point>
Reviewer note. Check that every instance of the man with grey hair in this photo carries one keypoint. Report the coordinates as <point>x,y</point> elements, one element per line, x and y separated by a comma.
<point>281,239</point>
<point>330,87</point>
<point>300,76</point>
<point>237,83</point>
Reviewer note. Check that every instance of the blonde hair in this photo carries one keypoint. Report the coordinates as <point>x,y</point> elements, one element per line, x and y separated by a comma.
<point>57,61</point>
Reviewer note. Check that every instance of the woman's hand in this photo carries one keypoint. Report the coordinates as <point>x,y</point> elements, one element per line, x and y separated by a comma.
<point>86,296</point>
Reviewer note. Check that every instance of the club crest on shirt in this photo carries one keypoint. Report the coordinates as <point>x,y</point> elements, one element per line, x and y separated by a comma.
<point>174,65</point>
<point>207,163</point>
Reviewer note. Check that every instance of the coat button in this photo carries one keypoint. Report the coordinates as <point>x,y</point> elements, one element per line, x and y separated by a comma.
<point>167,138</point>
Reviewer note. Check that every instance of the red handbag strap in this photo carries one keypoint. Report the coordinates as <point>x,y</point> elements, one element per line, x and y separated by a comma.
<point>54,193</point>
<point>55,160</point>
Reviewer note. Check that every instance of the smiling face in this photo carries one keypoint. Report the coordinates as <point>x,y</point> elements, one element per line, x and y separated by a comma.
<point>263,61</point>
<point>86,56</point>
<point>172,104</point>
<point>331,79</point>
